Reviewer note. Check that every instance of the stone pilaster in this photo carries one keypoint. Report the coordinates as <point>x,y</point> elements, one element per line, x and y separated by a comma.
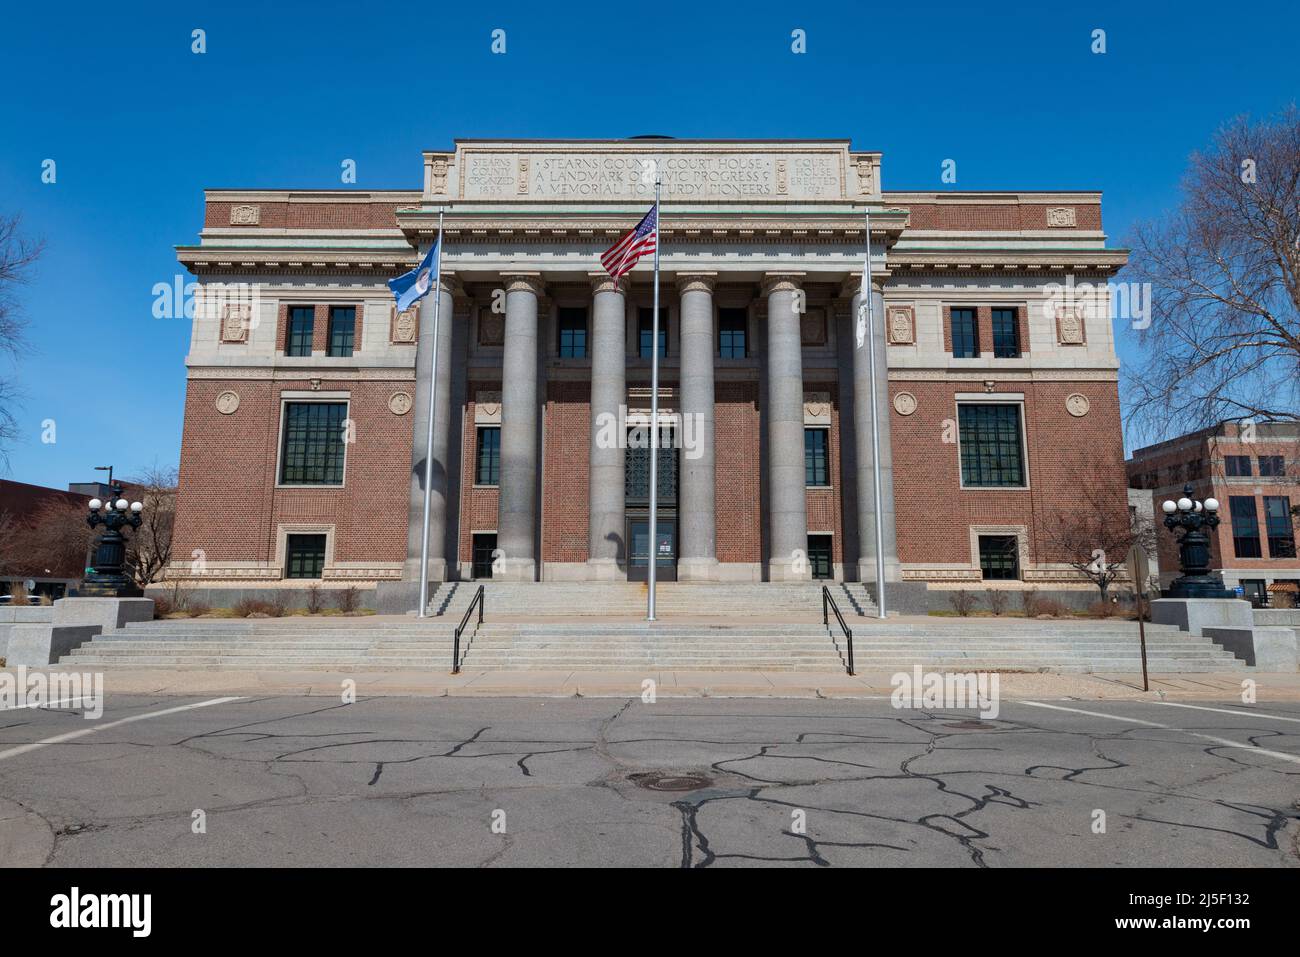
<point>787,507</point>
<point>698,559</point>
<point>606,548</point>
<point>517,500</point>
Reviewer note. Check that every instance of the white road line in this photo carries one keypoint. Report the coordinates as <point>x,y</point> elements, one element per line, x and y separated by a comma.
<point>65,703</point>
<point>1222,742</point>
<point>60,738</point>
<point>1248,714</point>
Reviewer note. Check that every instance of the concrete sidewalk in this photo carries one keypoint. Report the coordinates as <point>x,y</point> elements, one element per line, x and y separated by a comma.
<point>684,684</point>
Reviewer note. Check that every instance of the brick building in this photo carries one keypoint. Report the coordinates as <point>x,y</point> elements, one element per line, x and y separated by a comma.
<point>303,449</point>
<point>1253,469</point>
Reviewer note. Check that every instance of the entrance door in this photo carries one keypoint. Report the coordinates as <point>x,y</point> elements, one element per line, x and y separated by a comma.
<point>639,535</point>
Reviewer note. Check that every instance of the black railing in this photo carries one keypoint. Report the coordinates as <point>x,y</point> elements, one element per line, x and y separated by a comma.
<point>828,606</point>
<point>477,601</point>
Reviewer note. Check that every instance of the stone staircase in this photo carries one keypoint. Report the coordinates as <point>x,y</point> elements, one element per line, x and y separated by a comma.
<point>359,644</point>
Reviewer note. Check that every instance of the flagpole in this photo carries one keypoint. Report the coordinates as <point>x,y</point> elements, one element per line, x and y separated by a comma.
<point>652,573</point>
<point>870,344</point>
<point>428,438</point>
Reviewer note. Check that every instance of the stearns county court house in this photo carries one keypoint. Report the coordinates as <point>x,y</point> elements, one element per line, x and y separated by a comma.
<point>303,450</point>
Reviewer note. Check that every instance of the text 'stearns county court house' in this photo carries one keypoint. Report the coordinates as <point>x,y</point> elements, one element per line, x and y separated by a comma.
<point>305,417</point>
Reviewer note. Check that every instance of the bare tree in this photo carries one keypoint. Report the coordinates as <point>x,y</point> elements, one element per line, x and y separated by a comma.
<point>149,550</point>
<point>1096,535</point>
<point>1223,341</point>
<point>17,256</point>
<point>55,540</point>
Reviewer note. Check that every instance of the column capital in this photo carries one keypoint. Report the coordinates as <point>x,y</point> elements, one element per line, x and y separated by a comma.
<point>696,281</point>
<point>782,282</point>
<point>603,282</point>
<point>452,283</point>
<point>852,285</point>
<point>523,282</point>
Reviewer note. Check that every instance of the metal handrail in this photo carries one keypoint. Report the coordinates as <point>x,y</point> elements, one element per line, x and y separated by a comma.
<point>828,605</point>
<point>455,651</point>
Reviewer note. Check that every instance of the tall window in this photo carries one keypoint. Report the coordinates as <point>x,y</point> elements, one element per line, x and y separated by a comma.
<point>991,449</point>
<point>819,556</point>
<point>1272,465</point>
<point>1245,526</point>
<point>343,328</point>
<point>1006,334</point>
<point>999,557</point>
<point>1237,466</point>
<point>732,325</point>
<point>645,332</point>
<point>1277,520</point>
<point>313,443</point>
<point>573,333</point>
<point>304,556</point>
<point>965,334</point>
<point>816,457</point>
<point>1195,469</point>
<point>301,321</point>
<point>487,458</point>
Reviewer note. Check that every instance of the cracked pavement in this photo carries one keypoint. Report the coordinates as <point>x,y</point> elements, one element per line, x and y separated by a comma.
<point>312,782</point>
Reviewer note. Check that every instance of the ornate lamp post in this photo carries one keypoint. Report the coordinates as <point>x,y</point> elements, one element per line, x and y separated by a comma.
<point>1196,519</point>
<point>108,578</point>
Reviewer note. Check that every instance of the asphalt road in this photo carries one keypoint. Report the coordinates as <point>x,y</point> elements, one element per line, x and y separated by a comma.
<point>308,781</point>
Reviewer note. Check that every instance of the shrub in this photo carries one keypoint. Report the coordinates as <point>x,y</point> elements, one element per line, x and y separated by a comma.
<point>347,599</point>
<point>315,600</point>
<point>963,602</point>
<point>198,608</point>
<point>1030,603</point>
<point>162,606</point>
<point>248,607</point>
<point>1102,609</point>
<point>997,600</point>
<point>1052,607</point>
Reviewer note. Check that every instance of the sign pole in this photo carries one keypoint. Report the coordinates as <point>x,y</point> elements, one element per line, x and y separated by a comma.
<point>653,548</point>
<point>428,438</point>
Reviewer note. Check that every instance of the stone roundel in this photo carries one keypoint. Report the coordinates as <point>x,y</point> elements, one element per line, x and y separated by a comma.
<point>227,402</point>
<point>399,403</point>
<point>1077,405</point>
<point>904,403</point>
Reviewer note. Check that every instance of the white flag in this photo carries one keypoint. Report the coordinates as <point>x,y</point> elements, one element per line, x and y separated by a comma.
<point>864,294</point>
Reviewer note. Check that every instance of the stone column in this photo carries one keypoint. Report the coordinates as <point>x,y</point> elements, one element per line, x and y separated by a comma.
<point>864,357</point>
<point>605,522</point>
<point>698,559</point>
<point>437,570</point>
<point>787,508</point>
<point>517,501</point>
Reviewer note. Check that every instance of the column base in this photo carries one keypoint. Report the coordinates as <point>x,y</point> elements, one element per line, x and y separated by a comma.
<point>514,570</point>
<point>604,570</point>
<point>867,571</point>
<point>697,569</point>
<point>437,570</point>
<point>789,570</point>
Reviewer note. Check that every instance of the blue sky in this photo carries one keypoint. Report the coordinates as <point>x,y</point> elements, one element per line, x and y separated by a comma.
<point>139,125</point>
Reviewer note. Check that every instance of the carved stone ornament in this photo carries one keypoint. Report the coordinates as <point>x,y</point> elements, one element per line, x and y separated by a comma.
<point>399,403</point>
<point>1069,326</point>
<point>227,402</point>
<point>1061,216</point>
<point>817,408</point>
<point>487,408</point>
<point>245,215</point>
<point>812,328</point>
<point>904,403</point>
<point>902,325</point>
<point>405,326</point>
<point>438,175</point>
<point>491,328</point>
<point>1077,405</point>
<point>235,321</point>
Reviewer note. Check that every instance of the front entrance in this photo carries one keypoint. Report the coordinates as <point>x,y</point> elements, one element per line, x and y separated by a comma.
<point>638,533</point>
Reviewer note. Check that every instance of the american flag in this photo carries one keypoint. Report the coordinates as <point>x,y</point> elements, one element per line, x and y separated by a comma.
<point>625,253</point>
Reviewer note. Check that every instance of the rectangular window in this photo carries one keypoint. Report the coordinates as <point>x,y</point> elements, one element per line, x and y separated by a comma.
<point>312,453</point>
<point>1255,592</point>
<point>1195,469</point>
<point>1006,334</point>
<point>732,326</point>
<point>343,327</point>
<point>1152,480</point>
<point>1273,466</point>
<point>999,557</point>
<point>965,334</point>
<point>484,544</point>
<point>1245,526</point>
<point>304,556</point>
<point>1277,521</point>
<point>487,458</point>
<point>645,332</point>
<point>816,457</point>
<point>992,454</point>
<point>1176,474</point>
<point>573,333</point>
<point>819,556</point>
<point>301,321</point>
<point>1237,466</point>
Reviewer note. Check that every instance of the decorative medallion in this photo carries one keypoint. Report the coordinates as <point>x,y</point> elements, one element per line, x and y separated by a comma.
<point>245,215</point>
<point>491,328</point>
<point>904,403</point>
<point>1077,405</point>
<point>403,326</point>
<point>227,402</point>
<point>1058,216</point>
<point>902,326</point>
<point>399,403</point>
<point>235,321</point>
<point>1069,326</point>
<point>817,408</point>
<point>487,408</point>
<point>812,328</point>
